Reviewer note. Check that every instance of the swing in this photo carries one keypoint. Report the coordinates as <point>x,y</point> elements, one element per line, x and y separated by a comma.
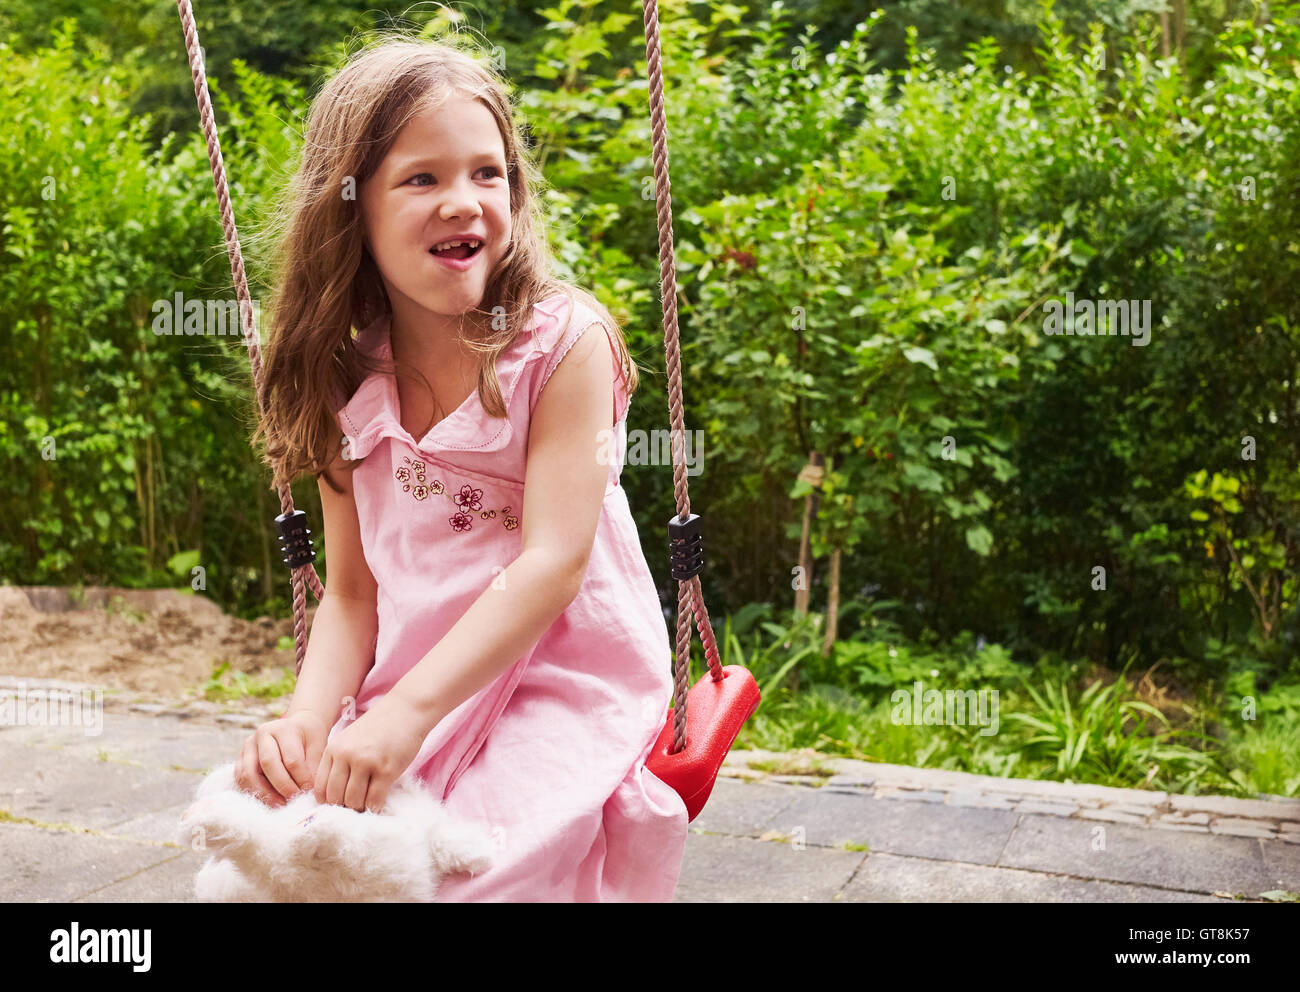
<point>690,748</point>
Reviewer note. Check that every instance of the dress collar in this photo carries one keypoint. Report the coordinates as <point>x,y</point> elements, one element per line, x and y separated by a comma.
<point>373,412</point>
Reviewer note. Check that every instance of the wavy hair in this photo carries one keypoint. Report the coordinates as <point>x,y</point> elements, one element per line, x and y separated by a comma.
<point>325,281</point>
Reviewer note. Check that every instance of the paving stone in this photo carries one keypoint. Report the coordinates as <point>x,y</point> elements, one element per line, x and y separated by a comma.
<point>58,866</point>
<point>1257,809</point>
<point>161,742</point>
<point>1194,828</point>
<point>1074,792</point>
<point>1282,861</point>
<point>740,869</point>
<point>897,776</point>
<point>893,878</point>
<point>54,787</point>
<point>918,795</point>
<point>1241,828</point>
<point>1111,816</point>
<point>963,797</point>
<point>1191,862</point>
<point>1052,809</point>
<point>802,781</point>
<point>1201,818</point>
<point>921,829</point>
<point>170,881</point>
<point>1132,809</point>
<point>160,826</point>
<point>903,777</point>
<point>849,782</point>
<point>743,808</point>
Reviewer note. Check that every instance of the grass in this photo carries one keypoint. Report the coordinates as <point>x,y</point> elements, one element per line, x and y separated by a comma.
<point>224,684</point>
<point>792,764</point>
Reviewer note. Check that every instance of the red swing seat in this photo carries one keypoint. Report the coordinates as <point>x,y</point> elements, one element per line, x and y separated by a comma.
<point>715,712</point>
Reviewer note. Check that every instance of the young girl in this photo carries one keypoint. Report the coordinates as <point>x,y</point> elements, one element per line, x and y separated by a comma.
<point>501,644</point>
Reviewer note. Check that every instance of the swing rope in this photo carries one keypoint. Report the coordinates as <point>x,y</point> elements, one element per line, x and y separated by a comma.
<point>685,540</point>
<point>684,535</point>
<point>291,522</point>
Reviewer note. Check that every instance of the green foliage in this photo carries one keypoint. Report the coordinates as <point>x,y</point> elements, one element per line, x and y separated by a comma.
<point>1052,724</point>
<point>977,467</point>
<point>123,447</point>
<point>1103,737</point>
<point>224,684</point>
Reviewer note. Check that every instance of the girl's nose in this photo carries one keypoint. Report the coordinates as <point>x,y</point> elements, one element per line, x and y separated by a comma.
<point>461,201</point>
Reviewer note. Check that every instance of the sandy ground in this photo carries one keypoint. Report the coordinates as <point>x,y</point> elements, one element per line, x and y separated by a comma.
<point>152,641</point>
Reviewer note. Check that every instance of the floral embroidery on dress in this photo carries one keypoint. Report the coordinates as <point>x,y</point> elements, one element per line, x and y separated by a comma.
<point>467,498</point>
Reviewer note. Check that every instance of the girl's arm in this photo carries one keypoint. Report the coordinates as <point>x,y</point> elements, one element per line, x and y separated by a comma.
<point>341,649</point>
<point>566,478</point>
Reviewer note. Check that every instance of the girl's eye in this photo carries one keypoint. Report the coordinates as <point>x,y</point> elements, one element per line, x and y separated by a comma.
<point>425,175</point>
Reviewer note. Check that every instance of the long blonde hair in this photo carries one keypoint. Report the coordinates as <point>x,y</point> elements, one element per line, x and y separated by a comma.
<point>326,282</point>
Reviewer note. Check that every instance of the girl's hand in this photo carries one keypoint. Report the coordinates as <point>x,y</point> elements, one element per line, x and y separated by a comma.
<point>278,759</point>
<point>365,758</point>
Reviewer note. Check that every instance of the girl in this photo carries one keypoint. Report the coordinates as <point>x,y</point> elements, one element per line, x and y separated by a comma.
<point>501,645</point>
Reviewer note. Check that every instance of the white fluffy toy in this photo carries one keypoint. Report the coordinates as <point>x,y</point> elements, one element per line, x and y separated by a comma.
<point>305,851</point>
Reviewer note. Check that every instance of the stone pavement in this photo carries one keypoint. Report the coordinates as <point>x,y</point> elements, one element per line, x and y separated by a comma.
<point>92,818</point>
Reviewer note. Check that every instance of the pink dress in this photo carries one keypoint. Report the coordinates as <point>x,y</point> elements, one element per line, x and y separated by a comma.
<point>551,756</point>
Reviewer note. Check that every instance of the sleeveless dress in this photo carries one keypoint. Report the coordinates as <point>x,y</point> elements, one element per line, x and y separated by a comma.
<point>550,757</point>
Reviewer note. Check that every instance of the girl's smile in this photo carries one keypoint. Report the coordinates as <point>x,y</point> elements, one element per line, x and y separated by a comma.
<point>460,259</point>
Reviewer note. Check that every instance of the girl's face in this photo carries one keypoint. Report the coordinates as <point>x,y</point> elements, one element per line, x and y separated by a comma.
<point>444,179</point>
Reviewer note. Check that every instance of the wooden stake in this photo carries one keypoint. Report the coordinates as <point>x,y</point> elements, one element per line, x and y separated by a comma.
<point>832,605</point>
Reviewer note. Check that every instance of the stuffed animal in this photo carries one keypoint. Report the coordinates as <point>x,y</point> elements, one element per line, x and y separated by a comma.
<point>305,851</point>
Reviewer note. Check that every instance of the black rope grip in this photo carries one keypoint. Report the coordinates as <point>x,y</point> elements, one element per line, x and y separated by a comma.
<point>686,547</point>
<point>295,540</point>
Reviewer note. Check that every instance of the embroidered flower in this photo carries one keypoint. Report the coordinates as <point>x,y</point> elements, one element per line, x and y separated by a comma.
<point>467,498</point>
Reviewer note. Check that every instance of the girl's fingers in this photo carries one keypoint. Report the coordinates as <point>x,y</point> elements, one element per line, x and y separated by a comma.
<point>295,761</point>
<point>376,796</point>
<point>272,765</point>
<point>355,795</point>
<point>315,748</point>
<point>322,778</point>
<point>254,781</point>
<point>336,788</point>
